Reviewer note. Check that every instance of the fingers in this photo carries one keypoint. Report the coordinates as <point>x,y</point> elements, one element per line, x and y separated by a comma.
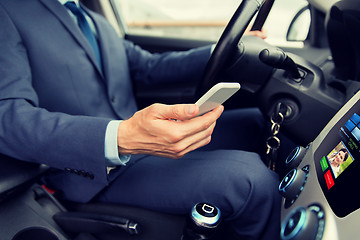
<point>189,124</point>
<point>179,149</point>
<point>181,111</point>
<point>201,123</point>
<point>153,130</point>
<point>177,112</point>
<point>193,142</point>
<point>258,33</point>
<point>192,134</point>
<point>178,155</point>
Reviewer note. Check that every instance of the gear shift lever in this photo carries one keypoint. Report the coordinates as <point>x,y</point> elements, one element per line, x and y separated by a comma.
<point>278,59</point>
<point>202,222</point>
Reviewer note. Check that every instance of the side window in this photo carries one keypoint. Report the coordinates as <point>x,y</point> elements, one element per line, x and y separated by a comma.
<point>200,19</point>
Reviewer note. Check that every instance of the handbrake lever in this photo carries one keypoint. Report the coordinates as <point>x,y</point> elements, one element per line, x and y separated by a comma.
<point>81,222</point>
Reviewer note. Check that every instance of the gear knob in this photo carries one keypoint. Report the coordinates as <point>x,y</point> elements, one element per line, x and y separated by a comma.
<point>202,222</point>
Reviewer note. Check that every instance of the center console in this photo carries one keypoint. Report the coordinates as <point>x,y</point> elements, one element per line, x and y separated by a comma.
<point>320,192</point>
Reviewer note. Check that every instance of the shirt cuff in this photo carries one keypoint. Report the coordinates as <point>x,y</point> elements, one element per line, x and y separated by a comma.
<point>112,156</point>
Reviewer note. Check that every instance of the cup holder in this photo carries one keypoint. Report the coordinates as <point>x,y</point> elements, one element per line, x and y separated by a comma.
<point>37,233</point>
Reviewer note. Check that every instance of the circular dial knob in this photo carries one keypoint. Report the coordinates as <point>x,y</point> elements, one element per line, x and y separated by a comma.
<point>295,157</point>
<point>292,184</point>
<point>300,224</point>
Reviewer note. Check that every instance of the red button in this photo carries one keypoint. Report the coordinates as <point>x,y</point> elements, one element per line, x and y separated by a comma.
<point>329,179</point>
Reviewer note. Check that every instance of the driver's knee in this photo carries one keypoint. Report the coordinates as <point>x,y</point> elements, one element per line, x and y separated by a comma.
<point>249,199</point>
<point>241,179</point>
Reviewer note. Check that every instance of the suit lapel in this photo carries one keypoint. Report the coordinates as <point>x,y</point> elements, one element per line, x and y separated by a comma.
<point>61,13</point>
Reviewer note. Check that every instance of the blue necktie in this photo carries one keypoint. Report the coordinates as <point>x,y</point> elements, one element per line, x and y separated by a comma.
<point>85,28</point>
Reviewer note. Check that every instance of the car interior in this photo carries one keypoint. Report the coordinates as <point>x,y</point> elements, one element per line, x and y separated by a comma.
<point>315,88</point>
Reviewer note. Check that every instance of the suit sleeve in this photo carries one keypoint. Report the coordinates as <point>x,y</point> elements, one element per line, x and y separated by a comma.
<point>182,66</point>
<point>30,133</point>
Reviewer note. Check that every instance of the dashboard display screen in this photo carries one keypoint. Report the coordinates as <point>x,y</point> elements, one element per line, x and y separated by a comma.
<point>337,162</point>
<point>344,153</point>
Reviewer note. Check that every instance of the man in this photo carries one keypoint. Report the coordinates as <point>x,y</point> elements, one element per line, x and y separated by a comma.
<point>60,102</point>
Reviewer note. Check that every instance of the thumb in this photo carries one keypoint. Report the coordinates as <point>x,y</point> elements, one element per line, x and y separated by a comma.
<point>181,111</point>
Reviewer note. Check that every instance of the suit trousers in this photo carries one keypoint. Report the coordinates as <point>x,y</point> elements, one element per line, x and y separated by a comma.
<point>227,173</point>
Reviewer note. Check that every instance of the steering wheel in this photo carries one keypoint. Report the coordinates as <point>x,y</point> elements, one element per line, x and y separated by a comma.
<point>227,43</point>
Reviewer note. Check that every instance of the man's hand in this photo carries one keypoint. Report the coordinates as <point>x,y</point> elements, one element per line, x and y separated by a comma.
<point>167,130</point>
<point>261,34</point>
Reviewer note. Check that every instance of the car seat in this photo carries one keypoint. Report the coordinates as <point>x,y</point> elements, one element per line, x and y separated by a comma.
<point>342,25</point>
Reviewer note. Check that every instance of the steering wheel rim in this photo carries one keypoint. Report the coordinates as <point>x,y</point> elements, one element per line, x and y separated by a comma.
<point>227,43</point>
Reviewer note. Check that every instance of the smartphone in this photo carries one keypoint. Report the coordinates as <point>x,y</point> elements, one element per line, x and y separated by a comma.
<point>216,96</point>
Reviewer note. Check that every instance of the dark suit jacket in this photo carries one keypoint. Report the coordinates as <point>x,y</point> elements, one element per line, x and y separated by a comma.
<point>55,103</point>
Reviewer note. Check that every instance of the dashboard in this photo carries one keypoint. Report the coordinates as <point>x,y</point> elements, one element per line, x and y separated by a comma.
<point>320,199</point>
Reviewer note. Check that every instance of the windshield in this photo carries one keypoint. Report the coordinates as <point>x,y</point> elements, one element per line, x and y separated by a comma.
<point>200,19</point>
